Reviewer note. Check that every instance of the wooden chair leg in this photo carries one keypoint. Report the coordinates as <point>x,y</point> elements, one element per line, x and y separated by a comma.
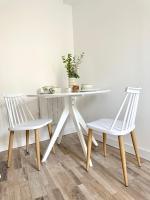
<point>134,141</point>
<point>104,143</point>
<point>50,134</point>
<point>37,144</point>
<point>11,137</point>
<point>27,141</point>
<point>123,159</point>
<point>89,146</point>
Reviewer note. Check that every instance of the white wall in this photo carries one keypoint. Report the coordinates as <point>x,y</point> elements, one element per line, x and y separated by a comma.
<point>115,36</point>
<point>34,34</point>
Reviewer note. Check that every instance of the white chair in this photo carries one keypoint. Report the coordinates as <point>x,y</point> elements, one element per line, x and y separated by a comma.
<point>21,119</point>
<point>118,128</point>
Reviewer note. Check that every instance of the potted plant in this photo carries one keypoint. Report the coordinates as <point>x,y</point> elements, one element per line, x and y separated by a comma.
<point>72,66</point>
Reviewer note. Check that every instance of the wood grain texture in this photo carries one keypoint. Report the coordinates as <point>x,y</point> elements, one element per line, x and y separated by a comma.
<point>3,171</point>
<point>89,146</point>
<point>123,159</point>
<point>104,143</point>
<point>134,141</point>
<point>37,149</point>
<point>63,176</point>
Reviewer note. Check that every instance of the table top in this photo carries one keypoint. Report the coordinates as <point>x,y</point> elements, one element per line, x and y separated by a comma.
<point>71,94</point>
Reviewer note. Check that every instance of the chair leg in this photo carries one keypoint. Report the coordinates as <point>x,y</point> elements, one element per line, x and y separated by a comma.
<point>134,141</point>
<point>89,146</point>
<point>11,137</point>
<point>50,134</point>
<point>27,141</point>
<point>123,159</point>
<point>37,144</point>
<point>104,143</point>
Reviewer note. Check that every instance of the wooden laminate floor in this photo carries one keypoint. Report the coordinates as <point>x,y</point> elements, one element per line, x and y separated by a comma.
<point>63,176</point>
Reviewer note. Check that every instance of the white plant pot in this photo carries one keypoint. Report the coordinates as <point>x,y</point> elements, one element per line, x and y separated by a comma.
<point>72,81</point>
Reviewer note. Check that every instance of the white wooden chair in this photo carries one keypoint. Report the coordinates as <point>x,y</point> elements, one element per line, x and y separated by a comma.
<point>118,128</point>
<point>21,119</point>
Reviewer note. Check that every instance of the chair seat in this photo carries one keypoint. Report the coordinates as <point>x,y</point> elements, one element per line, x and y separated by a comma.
<point>31,125</point>
<point>104,125</point>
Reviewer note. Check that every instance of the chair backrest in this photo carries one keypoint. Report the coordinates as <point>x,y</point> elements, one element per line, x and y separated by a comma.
<point>18,111</point>
<point>129,107</point>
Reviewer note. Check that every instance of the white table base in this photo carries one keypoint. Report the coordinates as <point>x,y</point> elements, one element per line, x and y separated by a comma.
<point>70,109</point>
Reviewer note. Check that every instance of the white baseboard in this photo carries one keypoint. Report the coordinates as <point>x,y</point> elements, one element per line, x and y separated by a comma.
<point>19,141</point>
<point>112,142</point>
<point>144,153</point>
